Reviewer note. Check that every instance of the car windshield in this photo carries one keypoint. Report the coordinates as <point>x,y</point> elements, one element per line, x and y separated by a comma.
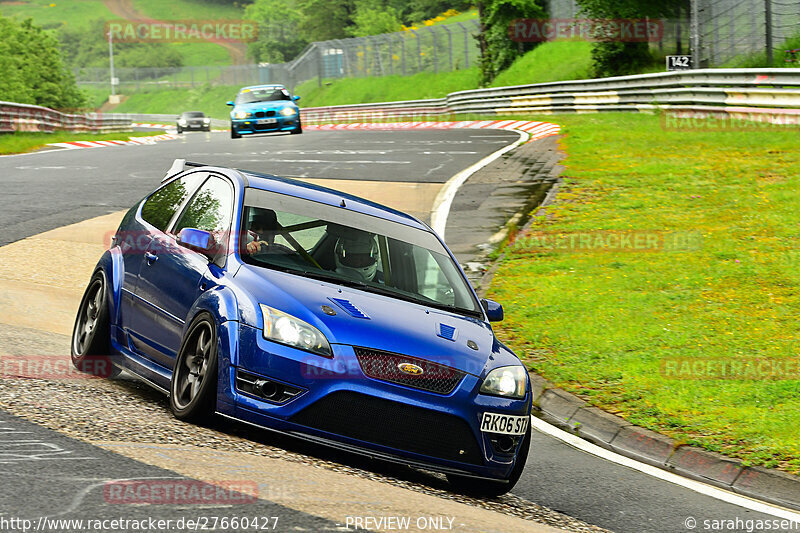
<point>193,114</point>
<point>352,249</point>
<point>262,94</point>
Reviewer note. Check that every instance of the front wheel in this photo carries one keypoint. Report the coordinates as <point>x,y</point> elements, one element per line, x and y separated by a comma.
<point>298,129</point>
<point>234,135</point>
<point>91,334</point>
<point>492,489</point>
<point>193,390</point>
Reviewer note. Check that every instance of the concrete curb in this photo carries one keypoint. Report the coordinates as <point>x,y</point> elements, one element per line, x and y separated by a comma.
<point>568,412</point>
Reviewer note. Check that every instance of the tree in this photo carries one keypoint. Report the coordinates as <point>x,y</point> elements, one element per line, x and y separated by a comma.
<point>326,19</point>
<point>279,38</point>
<point>498,51</point>
<point>374,20</point>
<point>33,70</point>
<point>613,58</point>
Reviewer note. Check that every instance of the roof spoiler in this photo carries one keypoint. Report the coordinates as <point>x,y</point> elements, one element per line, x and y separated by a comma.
<point>178,166</point>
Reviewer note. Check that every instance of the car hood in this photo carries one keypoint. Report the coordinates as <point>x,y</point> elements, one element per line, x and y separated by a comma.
<point>370,320</point>
<point>275,105</point>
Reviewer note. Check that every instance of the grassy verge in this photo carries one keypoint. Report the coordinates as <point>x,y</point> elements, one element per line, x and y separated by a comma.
<point>630,331</point>
<point>386,88</point>
<point>556,61</point>
<point>50,13</point>
<point>210,100</point>
<point>17,143</point>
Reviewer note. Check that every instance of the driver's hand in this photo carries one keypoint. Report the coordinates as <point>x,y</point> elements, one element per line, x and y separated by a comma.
<point>255,246</point>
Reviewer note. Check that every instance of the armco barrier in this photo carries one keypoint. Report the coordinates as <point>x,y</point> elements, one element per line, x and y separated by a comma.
<point>32,118</point>
<point>720,91</point>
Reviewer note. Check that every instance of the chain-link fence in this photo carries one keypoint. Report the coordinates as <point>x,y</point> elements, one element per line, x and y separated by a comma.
<point>726,29</point>
<point>713,31</point>
<point>435,49</point>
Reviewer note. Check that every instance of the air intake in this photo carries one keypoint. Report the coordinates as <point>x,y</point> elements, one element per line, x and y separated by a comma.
<point>349,307</point>
<point>447,332</point>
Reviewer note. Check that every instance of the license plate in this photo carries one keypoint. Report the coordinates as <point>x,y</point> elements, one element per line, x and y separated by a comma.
<point>504,424</point>
<point>267,121</point>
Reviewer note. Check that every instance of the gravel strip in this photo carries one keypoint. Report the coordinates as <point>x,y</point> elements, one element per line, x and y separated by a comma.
<point>128,411</point>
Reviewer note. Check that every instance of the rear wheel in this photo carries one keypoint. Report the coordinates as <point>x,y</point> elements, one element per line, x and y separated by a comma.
<point>193,390</point>
<point>492,489</point>
<point>91,342</point>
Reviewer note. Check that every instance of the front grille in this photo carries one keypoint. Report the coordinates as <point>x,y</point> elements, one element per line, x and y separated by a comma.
<point>270,113</point>
<point>259,114</point>
<point>392,424</point>
<point>385,366</point>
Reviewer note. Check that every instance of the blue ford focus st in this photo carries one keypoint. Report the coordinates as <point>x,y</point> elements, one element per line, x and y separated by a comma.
<point>310,312</point>
<point>263,109</point>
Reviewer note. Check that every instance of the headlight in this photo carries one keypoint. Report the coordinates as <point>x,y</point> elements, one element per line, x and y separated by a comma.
<point>287,111</point>
<point>182,122</point>
<point>241,114</point>
<point>286,329</point>
<point>206,120</point>
<point>507,381</point>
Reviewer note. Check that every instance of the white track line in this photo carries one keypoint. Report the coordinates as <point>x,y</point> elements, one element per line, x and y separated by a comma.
<point>696,486</point>
<point>443,201</point>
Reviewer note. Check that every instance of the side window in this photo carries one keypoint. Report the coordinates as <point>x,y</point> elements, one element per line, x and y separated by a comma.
<point>162,205</point>
<point>210,209</point>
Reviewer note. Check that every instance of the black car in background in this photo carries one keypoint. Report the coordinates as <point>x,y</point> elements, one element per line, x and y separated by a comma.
<point>193,120</point>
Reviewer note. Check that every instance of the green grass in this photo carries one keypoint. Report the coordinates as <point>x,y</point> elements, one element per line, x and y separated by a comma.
<point>562,60</point>
<point>386,88</point>
<point>600,324</point>
<point>70,12</point>
<point>759,60</point>
<point>17,143</point>
<point>188,9</point>
<point>210,100</point>
<point>552,61</point>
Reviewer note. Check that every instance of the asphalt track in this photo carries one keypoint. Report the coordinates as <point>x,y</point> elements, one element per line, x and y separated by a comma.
<point>48,190</point>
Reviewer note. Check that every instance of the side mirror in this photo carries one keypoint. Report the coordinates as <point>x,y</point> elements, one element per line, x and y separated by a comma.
<point>295,98</point>
<point>494,311</point>
<point>230,103</point>
<point>197,240</point>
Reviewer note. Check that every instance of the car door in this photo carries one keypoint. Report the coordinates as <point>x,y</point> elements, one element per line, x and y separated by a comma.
<point>172,276</point>
<point>138,229</point>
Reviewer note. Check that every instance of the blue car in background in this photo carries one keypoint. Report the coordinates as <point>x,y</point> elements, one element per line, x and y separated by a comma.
<point>263,109</point>
<point>310,312</point>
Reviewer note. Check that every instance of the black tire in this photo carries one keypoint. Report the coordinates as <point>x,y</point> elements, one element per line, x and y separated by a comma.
<point>492,489</point>
<point>234,135</point>
<point>180,130</point>
<point>298,130</point>
<point>90,345</point>
<point>193,391</point>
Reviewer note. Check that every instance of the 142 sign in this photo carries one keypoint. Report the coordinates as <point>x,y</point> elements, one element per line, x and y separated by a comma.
<point>679,62</point>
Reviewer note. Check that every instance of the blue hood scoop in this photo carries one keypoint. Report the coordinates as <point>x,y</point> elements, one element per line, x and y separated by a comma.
<point>349,308</point>
<point>447,332</point>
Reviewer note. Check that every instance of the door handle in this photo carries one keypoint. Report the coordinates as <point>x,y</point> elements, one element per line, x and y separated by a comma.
<point>150,257</point>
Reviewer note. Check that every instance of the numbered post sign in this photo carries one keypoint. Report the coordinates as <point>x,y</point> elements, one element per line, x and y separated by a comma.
<point>679,62</point>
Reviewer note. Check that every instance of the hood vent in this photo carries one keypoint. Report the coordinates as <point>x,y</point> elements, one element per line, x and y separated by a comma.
<point>447,332</point>
<point>349,308</point>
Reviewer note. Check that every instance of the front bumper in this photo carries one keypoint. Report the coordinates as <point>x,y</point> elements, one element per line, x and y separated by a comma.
<point>195,127</point>
<point>338,405</point>
<point>251,125</point>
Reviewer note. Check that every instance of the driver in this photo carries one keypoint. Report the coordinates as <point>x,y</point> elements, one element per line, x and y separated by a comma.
<point>261,235</point>
<point>356,255</point>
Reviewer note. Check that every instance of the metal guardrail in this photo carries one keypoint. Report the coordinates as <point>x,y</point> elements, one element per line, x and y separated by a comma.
<point>32,118</point>
<point>753,90</point>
